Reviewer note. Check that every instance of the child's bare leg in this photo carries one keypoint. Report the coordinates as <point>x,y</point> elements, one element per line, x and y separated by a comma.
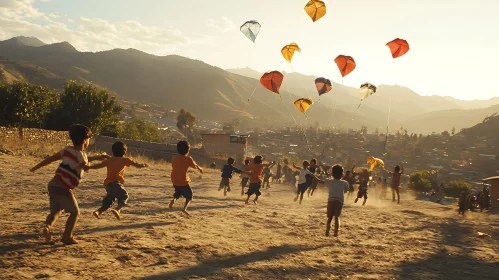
<point>172,202</point>
<point>242,191</point>
<point>398,196</point>
<point>247,200</point>
<point>328,225</point>
<point>187,202</point>
<point>336,225</point>
<point>49,223</point>
<point>308,191</point>
<point>225,190</point>
<point>312,192</point>
<point>255,201</point>
<point>301,197</point>
<point>297,195</point>
<point>67,236</point>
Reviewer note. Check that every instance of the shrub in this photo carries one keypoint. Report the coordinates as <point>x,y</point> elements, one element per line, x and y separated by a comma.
<point>419,181</point>
<point>455,188</point>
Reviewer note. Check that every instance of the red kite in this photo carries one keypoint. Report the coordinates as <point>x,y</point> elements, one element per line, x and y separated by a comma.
<point>272,81</point>
<point>346,64</point>
<point>398,47</point>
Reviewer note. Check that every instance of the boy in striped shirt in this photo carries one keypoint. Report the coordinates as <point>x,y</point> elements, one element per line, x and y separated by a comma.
<point>67,177</point>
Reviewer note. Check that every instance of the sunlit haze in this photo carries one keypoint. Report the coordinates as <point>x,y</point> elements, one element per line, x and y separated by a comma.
<point>454,50</point>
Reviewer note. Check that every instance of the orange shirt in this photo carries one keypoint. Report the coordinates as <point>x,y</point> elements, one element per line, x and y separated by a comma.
<point>256,173</point>
<point>116,169</point>
<point>180,165</point>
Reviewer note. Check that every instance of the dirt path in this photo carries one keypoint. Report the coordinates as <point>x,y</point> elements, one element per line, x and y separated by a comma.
<point>225,239</point>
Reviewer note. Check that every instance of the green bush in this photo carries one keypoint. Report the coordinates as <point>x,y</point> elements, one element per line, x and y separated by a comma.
<point>419,181</point>
<point>140,129</point>
<point>455,188</point>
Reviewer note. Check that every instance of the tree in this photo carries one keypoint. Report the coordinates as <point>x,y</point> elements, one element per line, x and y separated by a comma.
<point>85,104</point>
<point>376,132</point>
<point>186,120</point>
<point>455,188</point>
<point>25,105</point>
<point>140,129</point>
<point>453,132</point>
<point>445,134</point>
<point>419,182</point>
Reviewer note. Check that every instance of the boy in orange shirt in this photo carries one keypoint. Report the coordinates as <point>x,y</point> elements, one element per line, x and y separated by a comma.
<point>180,164</point>
<point>115,179</point>
<point>256,178</point>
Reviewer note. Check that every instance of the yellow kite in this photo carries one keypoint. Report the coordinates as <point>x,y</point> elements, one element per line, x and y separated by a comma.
<point>303,103</point>
<point>372,161</point>
<point>315,9</point>
<point>289,50</point>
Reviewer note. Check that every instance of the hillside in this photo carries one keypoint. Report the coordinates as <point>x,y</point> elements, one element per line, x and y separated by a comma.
<point>174,82</point>
<point>488,129</point>
<point>212,93</point>
<point>446,120</point>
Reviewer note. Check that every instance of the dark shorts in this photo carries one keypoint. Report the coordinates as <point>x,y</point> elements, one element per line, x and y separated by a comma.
<point>244,182</point>
<point>334,208</point>
<point>115,191</point>
<point>362,194</point>
<point>302,188</point>
<point>184,191</point>
<point>314,185</point>
<point>254,188</point>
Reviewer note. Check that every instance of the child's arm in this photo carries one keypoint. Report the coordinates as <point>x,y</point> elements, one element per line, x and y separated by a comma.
<point>296,167</point>
<point>99,157</point>
<point>46,162</point>
<point>196,166</point>
<point>99,165</point>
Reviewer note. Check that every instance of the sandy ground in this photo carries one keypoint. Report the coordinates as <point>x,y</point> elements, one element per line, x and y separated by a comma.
<point>225,239</point>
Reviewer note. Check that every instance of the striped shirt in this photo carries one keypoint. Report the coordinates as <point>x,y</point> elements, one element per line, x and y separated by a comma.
<point>70,170</point>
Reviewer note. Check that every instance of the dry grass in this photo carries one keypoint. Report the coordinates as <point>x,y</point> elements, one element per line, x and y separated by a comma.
<point>24,148</point>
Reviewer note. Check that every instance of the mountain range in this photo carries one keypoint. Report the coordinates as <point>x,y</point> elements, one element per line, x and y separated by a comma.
<point>216,94</point>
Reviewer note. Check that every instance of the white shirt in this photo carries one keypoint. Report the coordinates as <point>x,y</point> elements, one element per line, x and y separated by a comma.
<point>301,178</point>
<point>336,189</point>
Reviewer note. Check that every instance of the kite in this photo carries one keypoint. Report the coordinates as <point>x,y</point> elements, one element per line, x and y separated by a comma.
<point>315,9</point>
<point>346,64</point>
<point>398,47</point>
<point>289,50</point>
<point>251,29</point>
<point>302,104</point>
<point>373,162</point>
<point>366,90</point>
<point>323,85</point>
<point>272,81</point>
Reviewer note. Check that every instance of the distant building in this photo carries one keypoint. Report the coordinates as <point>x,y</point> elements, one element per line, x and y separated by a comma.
<point>225,145</point>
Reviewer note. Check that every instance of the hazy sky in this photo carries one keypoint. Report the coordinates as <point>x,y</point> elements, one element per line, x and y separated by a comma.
<point>454,43</point>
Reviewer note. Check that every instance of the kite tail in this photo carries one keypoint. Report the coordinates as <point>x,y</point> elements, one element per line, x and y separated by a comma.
<point>359,105</point>
<point>252,93</point>
<point>388,123</point>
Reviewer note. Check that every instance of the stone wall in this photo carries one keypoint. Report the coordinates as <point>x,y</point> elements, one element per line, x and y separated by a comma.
<point>147,149</point>
<point>35,135</point>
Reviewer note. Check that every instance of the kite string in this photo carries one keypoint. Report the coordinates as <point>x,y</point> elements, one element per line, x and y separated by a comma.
<point>289,111</point>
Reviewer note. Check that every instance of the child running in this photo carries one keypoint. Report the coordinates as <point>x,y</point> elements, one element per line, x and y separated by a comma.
<point>396,174</point>
<point>313,168</point>
<point>227,171</point>
<point>245,176</point>
<point>364,180</point>
<point>305,178</point>
<point>114,182</point>
<point>267,173</point>
<point>180,180</point>
<point>67,177</point>
<point>256,179</point>
<point>337,189</point>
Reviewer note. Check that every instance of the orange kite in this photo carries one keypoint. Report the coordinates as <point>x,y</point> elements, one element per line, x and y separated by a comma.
<point>315,9</point>
<point>346,64</point>
<point>272,81</point>
<point>398,47</point>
